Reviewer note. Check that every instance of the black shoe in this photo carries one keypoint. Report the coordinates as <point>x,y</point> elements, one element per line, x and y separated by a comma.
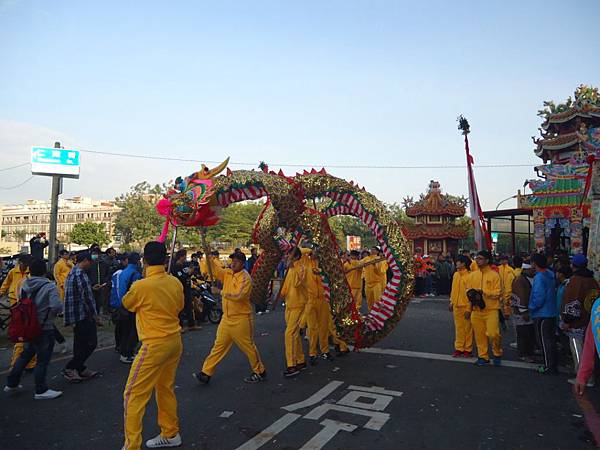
<point>301,366</point>
<point>314,360</point>
<point>327,356</point>
<point>201,377</point>
<point>291,372</point>
<point>256,378</point>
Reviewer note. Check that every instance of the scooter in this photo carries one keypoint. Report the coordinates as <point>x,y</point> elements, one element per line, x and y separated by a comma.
<point>205,305</point>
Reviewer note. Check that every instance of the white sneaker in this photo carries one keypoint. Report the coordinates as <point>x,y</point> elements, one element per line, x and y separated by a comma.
<point>9,389</point>
<point>48,395</point>
<point>589,384</point>
<point>126,359</point>
<point>160,441</point>
<point>513,345</point>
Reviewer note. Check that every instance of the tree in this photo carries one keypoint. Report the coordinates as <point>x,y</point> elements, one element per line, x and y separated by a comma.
<point>89,233</point>
<point>236,224</point>
<point>20,235</point>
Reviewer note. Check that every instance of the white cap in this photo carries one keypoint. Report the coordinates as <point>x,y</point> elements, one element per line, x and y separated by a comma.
<point>526,266</point>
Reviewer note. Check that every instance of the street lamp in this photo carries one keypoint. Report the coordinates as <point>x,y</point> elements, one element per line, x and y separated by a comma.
<point>505,200</point>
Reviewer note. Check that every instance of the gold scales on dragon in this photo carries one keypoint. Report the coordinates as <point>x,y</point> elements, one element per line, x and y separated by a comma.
<point>195,201</point>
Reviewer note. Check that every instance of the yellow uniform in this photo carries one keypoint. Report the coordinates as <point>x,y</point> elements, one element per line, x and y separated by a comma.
<point>383,276</point>
<point>354,278</point>
<point>11,286</point>
<point>214,262</point>
<point>463,330</point>
<point>507,276</point>
<point>295,294</point>
<point>474,267</point>
<point>237,324</point>
<point>156,301</point>
<point>517,271</point>
<point>316,312</point>
<point>486,321</point>
<point>373,275</point>
<point>61,270</point>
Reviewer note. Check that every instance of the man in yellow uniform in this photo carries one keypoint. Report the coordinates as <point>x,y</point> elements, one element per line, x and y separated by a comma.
<point>463,331</point>
<point>354,277</point>
<point>11,286</point>
<point>295,294</point>
<point>61,269</point>
<point>316,313</point>
<point>507,276</point>
<point>156,301</point>
<point>485,318</point>
<point>373,273</point>
<point>237,324</point>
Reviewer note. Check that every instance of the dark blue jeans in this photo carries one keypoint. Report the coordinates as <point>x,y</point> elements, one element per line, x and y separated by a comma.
<point>42,348</point>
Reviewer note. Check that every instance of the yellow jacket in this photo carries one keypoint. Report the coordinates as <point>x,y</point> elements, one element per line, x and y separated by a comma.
<point>488,281</point>
<point>373,272</point>
<point>314,283</point>
<point>355,276</point>
<point>12,282</point>
<point>214,262</point>
<point>156,301</point>
<point>507,275</point>
<point>294,287</point>
<point>235,294</point>
<point>517,271</point>
<point>458,295</point>
<point>474,267</point>
<point>383,268</point>
<point>61,270</point>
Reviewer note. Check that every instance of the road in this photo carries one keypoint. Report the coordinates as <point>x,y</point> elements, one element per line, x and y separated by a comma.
<point>404,393</point>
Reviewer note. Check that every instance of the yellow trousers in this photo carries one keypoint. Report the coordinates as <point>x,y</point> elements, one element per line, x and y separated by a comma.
<point>357,296</point>
<point>294,353</point>
<point>373,291</point>
<point>17,350</point>
<point>486,325</point>
<point>153,369</point>
<point>316,313</point>
<point>238,330</point>
<point>463,331</point>
<point>333,332</point>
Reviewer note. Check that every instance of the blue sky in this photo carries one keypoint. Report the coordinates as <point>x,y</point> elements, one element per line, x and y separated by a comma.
<point>337,82</point>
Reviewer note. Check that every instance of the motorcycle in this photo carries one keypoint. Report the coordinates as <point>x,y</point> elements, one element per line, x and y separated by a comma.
<point>205,304</point>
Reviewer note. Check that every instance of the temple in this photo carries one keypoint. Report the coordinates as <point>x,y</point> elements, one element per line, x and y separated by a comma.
<point>570,136</point>
<point>435,229</point>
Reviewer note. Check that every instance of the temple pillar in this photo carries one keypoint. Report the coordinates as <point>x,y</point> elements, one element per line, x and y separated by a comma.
<point>576,231</point>
<point>539,230</point>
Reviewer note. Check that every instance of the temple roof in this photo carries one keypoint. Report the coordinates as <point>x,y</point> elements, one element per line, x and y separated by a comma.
<point>445,231</point>
<point>434,204</point>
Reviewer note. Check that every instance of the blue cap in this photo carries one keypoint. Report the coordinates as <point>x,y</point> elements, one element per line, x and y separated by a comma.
<point>579,260</point>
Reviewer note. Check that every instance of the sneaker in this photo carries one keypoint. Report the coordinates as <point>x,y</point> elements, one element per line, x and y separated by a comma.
<point>267,311</point>
<point>457,354</point>
<point>342,352</point>
<point>589,384</point>
<point>201,377</point>
<point>291,372</point>
<point>87,374</point>
<point>467,354</point>
<point>513,345</point>
<point>497,361</point>
<point>314,360</point>
<point>48,395</point>
<point>126,359</point>
<point>301,366</point>
<point>256,378</point>
<point>12,390</point>
<point>259,313</point>
<point>71,376</point>
<point>327,356</point>
<point>160,441</point>
<point>482,362</point>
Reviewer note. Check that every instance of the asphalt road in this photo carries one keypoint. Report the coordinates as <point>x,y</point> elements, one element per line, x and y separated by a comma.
<point>406,393</point>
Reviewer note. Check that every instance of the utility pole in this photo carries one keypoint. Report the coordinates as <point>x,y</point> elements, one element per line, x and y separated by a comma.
<point>56,191</point>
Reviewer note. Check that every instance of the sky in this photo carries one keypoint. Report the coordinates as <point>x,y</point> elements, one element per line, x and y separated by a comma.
<point>317,83</point>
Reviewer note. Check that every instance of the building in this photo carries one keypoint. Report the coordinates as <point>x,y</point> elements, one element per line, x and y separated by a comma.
<point>435,229</point>
<point>21,222</point>
<point>570,135</point>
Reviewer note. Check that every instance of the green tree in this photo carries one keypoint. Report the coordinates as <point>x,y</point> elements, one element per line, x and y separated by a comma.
<point>20,235</point>
<point>88,233</point>
<point>236,224</point>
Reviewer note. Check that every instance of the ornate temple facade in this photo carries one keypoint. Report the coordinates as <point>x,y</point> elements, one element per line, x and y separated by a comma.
<point>435,229</point>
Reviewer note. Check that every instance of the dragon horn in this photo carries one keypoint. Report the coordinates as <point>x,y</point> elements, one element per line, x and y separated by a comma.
<point>217,170</point>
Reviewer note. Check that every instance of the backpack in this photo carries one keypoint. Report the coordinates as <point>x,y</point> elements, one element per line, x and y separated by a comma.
<point>24,325</point>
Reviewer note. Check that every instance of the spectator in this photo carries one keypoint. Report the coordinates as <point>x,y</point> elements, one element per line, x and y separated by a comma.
<point>443,275</point>
<point>98,275</point>
<point>507,276</point>
<point>542,304</point>
<point>129,337</point>
<point>80,312</point>
<point>37,244</point>
<point>582,288</point>
<point>181,272</point>
<point>463,331</point>
<point>525,330</point>
<point>115,302</point>
<point>517,264</point>
<point>45,295</point>
<point>252,260</point>
<point>588,360</point>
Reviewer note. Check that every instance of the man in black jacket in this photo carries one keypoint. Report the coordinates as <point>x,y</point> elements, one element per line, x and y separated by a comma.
<point>37,244</point>
<point>180,271</point>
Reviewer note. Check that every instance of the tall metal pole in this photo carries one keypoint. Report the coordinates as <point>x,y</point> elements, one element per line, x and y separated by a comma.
<point>56,191</point>
<point>171,255</point>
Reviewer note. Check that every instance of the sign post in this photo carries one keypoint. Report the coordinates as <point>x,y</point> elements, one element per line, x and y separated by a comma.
<point>58,163</point>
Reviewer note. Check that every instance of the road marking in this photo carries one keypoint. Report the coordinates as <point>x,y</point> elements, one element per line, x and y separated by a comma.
<point>376,390</point>
<point>332,427</point>
<point>270,432</point>
<point>380,402</point>
<point>316,397</point>
<point>376,422</point>
<point>438,357</point>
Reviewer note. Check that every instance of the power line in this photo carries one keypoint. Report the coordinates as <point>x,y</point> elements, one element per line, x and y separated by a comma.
<point>16,185</point>
<point>14,167</point>
<point>332,166</point>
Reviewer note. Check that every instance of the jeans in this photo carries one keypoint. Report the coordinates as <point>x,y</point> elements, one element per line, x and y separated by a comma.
<point>85,340</point>
<point>545,330</point>
<point>58,336</point>
<point>42,348</point>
